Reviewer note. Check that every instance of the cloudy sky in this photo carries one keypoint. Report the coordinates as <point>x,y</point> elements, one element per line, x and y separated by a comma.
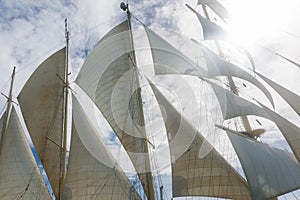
<point>30,31</point>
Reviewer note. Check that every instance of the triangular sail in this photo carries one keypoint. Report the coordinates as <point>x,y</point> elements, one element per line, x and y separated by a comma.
<point>20,177</point>
<point>235,106</point>
<point>218,8</point>
<point>211,31</point>
<point>169,60</point>
<point>270,172</point>
<point>41,102</point>
<point>290,131</point>
<point>109,78</point>
<point>219,67</point>
<point>92,171</point>
<point>290,97</point>
<point>210,175</point>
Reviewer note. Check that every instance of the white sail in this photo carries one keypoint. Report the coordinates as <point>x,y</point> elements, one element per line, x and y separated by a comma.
<point>218,8</point>
<point>220,67</point>
<point>20,177</point>
<point>235,106</point>
<point>93,173</point>
<point>109,78</point>
<point>211,31</point>
<point>169,60</point>
<point>41,102</point>
<point>270,172</point>
<point>210,175</point>
<point>290,97</point>
<point>290,131</point>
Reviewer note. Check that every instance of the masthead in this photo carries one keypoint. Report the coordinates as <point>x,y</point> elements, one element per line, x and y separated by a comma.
<point>123,6</point>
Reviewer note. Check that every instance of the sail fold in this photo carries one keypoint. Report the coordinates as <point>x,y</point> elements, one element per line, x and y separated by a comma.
<point>41,102</point>
<point>20,177</point>
<point>93,173</point>
<point>270,172</point>
<point>210,175</point>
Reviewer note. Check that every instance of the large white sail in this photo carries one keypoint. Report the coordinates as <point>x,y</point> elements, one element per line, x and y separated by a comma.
<point>270,172</point>
<point>210,175</point>
<point>20,177</point>
<point>41,102</point>
<point>168,60</point>
<point>235,106</point>
<point>290,97</point>
<point>109,77</point>
<point>92,171</point>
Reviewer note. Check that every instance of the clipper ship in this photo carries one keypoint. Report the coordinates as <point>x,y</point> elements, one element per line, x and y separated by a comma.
<point>111,78</point>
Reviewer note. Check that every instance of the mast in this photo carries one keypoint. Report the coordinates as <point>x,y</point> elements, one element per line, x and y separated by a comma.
<point>8,109</point>
<point>63,164</point>
<point>149,180</point>
<point>231,83</point>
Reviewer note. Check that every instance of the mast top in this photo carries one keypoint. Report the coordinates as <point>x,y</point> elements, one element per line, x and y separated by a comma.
<point>124,6</point>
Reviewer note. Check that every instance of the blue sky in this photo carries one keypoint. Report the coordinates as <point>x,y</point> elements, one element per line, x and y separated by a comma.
<point>30,31</point>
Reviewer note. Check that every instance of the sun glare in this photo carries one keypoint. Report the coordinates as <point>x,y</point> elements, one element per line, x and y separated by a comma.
<point>253,20</point>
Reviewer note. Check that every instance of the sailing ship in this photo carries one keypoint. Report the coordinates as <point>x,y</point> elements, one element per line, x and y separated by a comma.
<point>112,80</point>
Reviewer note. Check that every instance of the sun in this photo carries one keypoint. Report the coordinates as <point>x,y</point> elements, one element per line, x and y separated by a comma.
<point>252,21</point>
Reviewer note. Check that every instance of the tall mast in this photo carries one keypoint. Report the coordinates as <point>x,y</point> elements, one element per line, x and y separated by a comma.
<point>63,165</point>
<point>8,109</point>
<point>149,181</point>
<point>231,83</point>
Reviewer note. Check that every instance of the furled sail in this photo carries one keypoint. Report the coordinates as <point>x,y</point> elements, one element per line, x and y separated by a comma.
<point>218,8</point>
<point>235,106</point>
<point>270,172</point>
<point>41,102</point>
<point>290,97</point>
<point>110,79</point>
<point>210,175</point>
<point>20,177</point>
<point>92,171</point>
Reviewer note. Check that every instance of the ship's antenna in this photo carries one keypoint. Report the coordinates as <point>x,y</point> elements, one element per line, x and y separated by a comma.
<point>63,165</point>
<point>8,109</point>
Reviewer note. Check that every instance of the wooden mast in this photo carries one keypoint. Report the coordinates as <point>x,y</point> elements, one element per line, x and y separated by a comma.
<point>63,165</point>
<point>8,109</point>
<point>149,181</point>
